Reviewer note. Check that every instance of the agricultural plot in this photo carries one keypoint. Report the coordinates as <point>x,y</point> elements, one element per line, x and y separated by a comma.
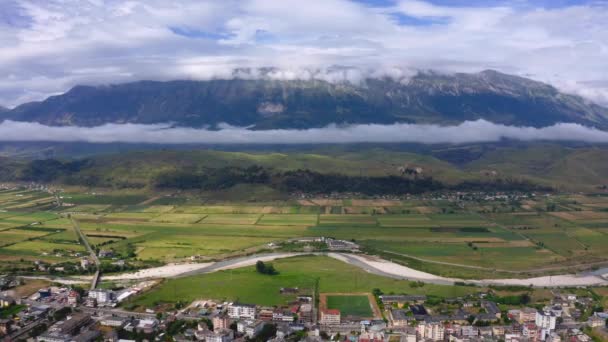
<point>347,220</point>
<point>288,220</point>
<point>179,218</point>
<point>231,219</point>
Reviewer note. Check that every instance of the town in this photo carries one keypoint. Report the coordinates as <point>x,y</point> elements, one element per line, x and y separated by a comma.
<point>64,314</point>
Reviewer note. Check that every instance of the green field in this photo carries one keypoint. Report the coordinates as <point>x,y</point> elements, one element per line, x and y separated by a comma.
<point>246,285</point>
<point>356,306</point>
<point>490,234</point>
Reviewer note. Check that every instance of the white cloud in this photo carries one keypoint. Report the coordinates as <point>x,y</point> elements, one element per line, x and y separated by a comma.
<point>47,46</point>
<point>467,132</point>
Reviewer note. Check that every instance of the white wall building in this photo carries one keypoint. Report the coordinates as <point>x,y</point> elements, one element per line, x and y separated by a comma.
<point>241,311</point>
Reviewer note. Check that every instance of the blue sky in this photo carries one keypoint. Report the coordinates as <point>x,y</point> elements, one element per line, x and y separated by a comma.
<point>48,46</point>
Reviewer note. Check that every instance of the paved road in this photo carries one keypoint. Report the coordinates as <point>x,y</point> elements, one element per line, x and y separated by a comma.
<point>84,240</point>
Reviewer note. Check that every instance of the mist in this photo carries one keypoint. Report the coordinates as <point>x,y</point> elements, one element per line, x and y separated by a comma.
<point>466,132</point>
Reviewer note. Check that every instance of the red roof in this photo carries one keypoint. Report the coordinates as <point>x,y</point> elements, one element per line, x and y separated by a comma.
<point>331,312</point>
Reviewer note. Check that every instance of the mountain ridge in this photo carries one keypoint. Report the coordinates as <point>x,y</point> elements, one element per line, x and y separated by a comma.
<point>428,97</point>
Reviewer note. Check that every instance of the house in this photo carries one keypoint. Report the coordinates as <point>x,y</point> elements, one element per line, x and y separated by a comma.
<point>399,318</point>
<point>402,299</point>
<point>73,298</point>
<point>85,263</point>
<point>330,317</point>
<point>106,253</point>
<point>595,322</point>
<point>527,315</point>
<point>266,314</point>
<point>147,326</point>
<point>241,311</point>
<point>289,290</point>
<point>491,308</point>
<point>5,326</point>
<point>6,301</point>
<point>115,322</point>
<point>531,332</point>
<point>283,315</point>
<point>469,331</point>
<point>253,329</point>
<point>305,313</point>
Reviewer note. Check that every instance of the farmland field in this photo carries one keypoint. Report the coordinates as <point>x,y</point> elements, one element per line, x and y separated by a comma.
<point>520,236</point>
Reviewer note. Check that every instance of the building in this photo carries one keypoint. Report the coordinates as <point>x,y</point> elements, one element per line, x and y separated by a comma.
<point>241,311</point>
<point>306,313</point>
<point>85,263</point>
<point>596,321</point>
<point>218,335</point>
<point>106,253</point>
<point>530,332</point>
<point>545,321</point>
<point>73,298</point>
<point>6,301</point>
<point>253,329</point>
<point>110,321</point>
<point>527,315</point>
<point>469,331</point>
<point>402,299</point>
<point>431,331</point>
<point>101,296</point>
<point>53,336</point>
<point>73,325</point>
<point>399,318</point>
<point>221,322</point>
<point>330,317</point>
<point>5,326</point>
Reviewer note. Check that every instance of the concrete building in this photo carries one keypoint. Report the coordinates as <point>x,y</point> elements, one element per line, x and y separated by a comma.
<point>241,311</point>
<point>545,321</point>
<point>218,335</point>
<point>330,317</point>
<point>431,331</point>
<point>101,296</point>
<point>221,322</point>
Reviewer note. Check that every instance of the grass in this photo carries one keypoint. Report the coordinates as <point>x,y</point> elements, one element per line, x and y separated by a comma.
<point>357,306</point>
<point>246,285</point>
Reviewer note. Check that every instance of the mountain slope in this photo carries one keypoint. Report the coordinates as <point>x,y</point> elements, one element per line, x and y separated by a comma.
<point>426,98</point>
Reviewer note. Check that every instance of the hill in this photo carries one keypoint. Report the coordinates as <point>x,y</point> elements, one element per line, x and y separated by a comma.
<point>264,103</point>
<point>561,167</point>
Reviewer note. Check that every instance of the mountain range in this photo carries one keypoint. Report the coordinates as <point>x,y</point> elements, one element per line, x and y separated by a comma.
<point>428,97</point>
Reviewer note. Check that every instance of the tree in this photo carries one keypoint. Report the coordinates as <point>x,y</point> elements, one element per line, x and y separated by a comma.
<point>262,268</point>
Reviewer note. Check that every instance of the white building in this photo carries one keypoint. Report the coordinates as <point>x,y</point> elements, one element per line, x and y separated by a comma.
<point>221,335</point>
<point>241,311</point>
<point>545,321</point>
<point>431,331</point>
<point>330,317</point>
<point>102,296</point>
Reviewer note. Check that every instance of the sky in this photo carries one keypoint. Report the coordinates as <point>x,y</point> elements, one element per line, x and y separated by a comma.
<point>48,46</point>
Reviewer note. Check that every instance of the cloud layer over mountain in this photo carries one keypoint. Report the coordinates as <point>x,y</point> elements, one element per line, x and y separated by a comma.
<point>467,132</point>
<point>47,46</point>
